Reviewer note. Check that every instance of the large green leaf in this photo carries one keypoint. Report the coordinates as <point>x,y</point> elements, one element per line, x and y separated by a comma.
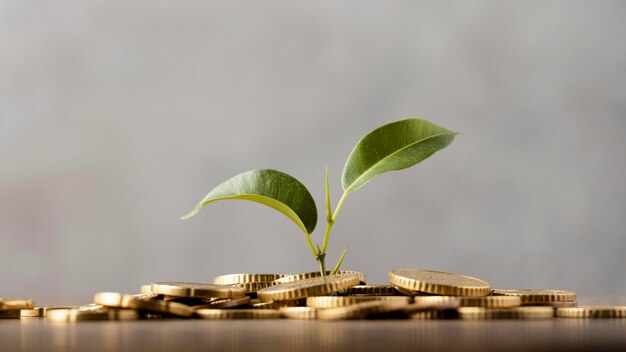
<point>269,187</point>
<point>394,146</point>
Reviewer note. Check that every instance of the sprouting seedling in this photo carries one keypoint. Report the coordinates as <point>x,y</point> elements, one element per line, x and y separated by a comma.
<point>394,146</point>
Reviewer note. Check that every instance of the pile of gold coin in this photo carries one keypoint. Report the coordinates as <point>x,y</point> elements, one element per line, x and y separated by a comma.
<point>411,294</point>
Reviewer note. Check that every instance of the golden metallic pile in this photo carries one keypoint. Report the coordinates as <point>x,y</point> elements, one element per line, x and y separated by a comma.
<point>412,294</point>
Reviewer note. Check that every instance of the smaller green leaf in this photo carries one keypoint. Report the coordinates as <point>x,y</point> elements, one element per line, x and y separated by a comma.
<point>394,146</point>
<point>272,188</point>
<point>338,266</point>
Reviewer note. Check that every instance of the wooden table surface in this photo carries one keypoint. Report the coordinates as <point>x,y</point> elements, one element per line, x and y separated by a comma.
<point>35,334</point>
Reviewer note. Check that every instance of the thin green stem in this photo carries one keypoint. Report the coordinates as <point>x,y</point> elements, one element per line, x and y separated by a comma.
<point>321,260</point>
<point>339,205</point>
<point>331,222</point>
<point>308,240</point>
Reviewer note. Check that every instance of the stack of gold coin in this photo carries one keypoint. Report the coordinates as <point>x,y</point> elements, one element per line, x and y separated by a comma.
<point>437,295</point>
<point>316,286</point>
<point>374,290</point>
<point>11,308</point>
<point>249,282</point>
<point>369,309</point>
<point>143,303</point>
<point>298,277</point>
<point>532,297</point>
<point>592,312</point>
<point>438,283</point>
<point>412,293</point>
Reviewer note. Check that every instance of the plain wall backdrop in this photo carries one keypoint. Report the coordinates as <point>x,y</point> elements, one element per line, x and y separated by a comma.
<point>117,117</point>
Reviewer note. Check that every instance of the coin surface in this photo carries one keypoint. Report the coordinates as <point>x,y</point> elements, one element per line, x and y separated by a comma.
<point>478,313</point>
<point>551,304</point>
<point>533,312</point>
<point>412,293</point>
<point>374,290</point>
<point>305,313</point>
<point>313,274</point>
<point>342,301</point>
<point>317,286</point>
<point>190,289</point>
<point>592,312</point>
<point>438,282</point>
<point>145,289</point>
<point>76,314</point>
<point>16,304</point>
<point>258,304</point>
<point>189,301</point>
<point>225,303</point>
<point>238,313</point>
<point>538,296</point>
<point>231,279</point>
<point>254,286</point>
<point>361,310</point>
<point>451,304</point>
<point>482,301</point>
<point>435,314</point>
<point>36,312</point>
<point>139,302</point>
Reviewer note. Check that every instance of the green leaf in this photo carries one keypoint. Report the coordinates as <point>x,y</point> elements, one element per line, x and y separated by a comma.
<point>394,146</point>
<point>269,187</point>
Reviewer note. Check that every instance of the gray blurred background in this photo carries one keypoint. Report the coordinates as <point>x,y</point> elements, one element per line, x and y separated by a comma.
<point>118,116</point>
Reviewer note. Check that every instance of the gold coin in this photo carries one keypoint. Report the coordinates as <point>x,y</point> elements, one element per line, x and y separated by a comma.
<point>225,303</point>
<point>36,312</point>
<point>342,301</point>
<point>304,313</point>
<point>482,301</point>
<point>87,307</point>
<point>477,313</point>
<point>435,314</point>
<point>374,290</point>
<point>451,304</point>
<point>254,286</point>
<point>145,289</point>
<point>16,304</point>
<point>551,304</point>
<point>258,304</point>
<point>533,312</point>
<point>592,312</point>
<point>437,282</point>
<point>9,314</point>
<point>538,296</point>
<point>232,279</point>
<point>313,274</point>
<point>139,302</point>
<point>238,313</point>
<point>188,301</point>
<point>317,286</point>
<point>76,314</point>
<point>361,310</point>
<point>189,289</point>
<point>411,293</point>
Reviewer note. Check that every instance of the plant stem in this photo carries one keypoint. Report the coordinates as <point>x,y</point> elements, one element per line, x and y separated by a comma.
<point>321,260</point>
<point>308,240</point>
<point>330,222</point>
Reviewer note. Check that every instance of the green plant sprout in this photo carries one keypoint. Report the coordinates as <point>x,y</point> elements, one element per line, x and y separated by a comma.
<point>394,146</point>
